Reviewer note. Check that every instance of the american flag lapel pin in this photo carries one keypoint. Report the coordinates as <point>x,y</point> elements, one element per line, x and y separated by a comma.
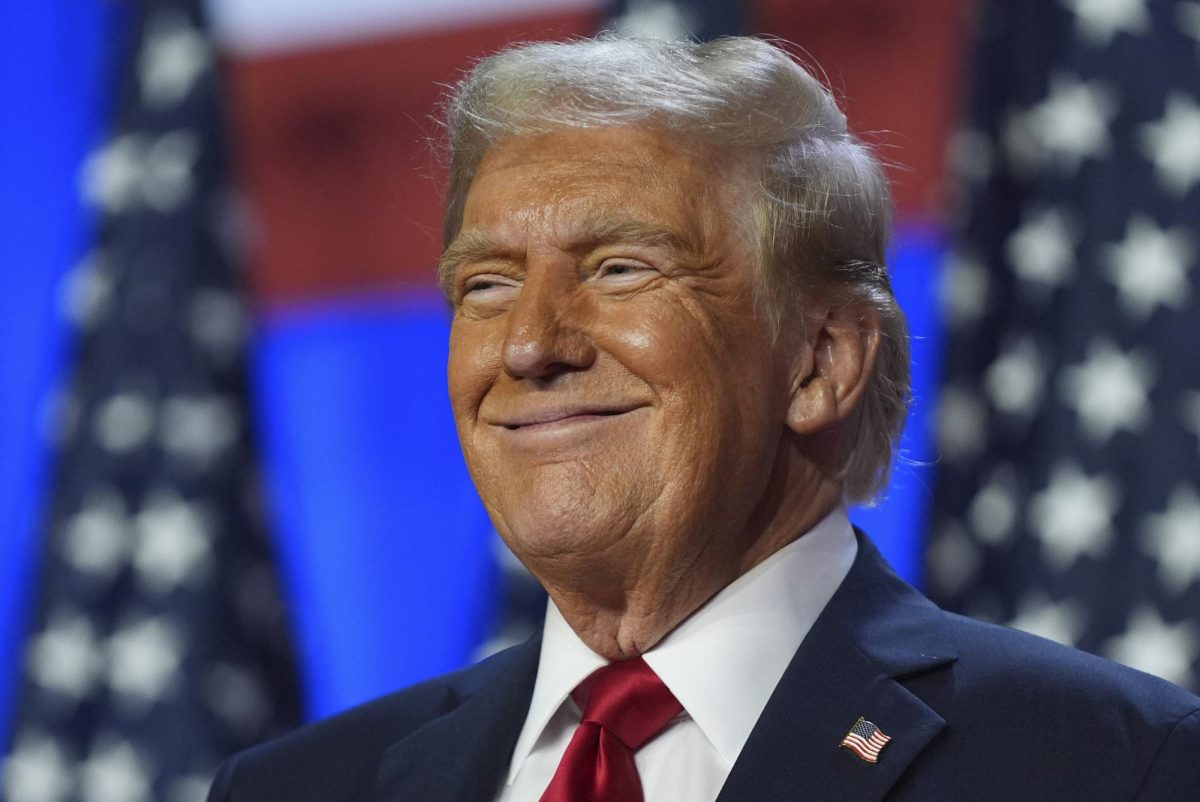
<point>865,740</point>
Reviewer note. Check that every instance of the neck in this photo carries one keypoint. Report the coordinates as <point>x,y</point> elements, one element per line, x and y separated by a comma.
<point>621,610</point>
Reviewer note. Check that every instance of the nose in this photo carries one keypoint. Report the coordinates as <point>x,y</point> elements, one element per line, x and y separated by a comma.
<point>545,335</point>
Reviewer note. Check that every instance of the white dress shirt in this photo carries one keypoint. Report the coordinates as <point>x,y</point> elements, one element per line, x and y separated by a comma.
<point>722,664</point>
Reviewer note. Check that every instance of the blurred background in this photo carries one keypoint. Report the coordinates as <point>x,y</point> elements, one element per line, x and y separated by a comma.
<point>231,497</point>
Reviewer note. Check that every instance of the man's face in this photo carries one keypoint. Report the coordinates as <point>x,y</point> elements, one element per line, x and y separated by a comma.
<point>619,399</point>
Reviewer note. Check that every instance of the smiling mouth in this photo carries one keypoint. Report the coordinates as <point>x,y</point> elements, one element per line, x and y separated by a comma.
<point>554,418</point>
<point>565,418</point>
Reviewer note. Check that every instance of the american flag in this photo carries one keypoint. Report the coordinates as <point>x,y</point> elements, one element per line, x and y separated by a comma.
<point>158,644</point>
<point>1068,500</point>
<point>865,740</point>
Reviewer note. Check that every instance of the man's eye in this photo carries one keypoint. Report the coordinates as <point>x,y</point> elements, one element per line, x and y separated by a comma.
<point>623,269</point>
<point>485,283</point>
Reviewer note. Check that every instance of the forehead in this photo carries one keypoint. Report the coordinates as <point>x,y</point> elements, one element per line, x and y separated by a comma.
<point>576,177</point>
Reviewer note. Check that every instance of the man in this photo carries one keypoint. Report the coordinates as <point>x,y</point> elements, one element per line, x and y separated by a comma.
<point>675,356</point>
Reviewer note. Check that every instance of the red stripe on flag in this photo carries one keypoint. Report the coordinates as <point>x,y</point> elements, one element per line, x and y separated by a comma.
<point>333,146</point>
<point>859,747</point>
<point>867,749</point>
<point>899,72</point>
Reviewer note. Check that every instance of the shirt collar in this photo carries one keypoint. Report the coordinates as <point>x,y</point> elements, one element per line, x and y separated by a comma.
<point>565,661</point>
<point>724,661</point>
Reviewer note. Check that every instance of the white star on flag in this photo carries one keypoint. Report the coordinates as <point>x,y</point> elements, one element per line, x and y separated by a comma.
<point>66,656</point>
<point>993,511</point>
<point>173,545</point>
<point>953,558</point>
<point>1062,621</point>
<point>217,322</point>
<point>37,771</point>
<point>111,176</point>
<point>1073,515</point>
<point>1149,267</point>
<point>86,292</point>
<point>124,422</point>
<point>199,429</point>
<point>1016,380</point>
<point>1098,21</point>
<point>963,289</point>
<point>961,419</point>
<point>654,19</point>
<point>144,659</point>
<point>97,539</point>
<point>1042,250</point>
<point>1152,645</point>
<point>168,179</point>
<point>1173,144</point>
<point>1072,123</point>
<point>173,57</point>
<point>1173,538</point>
<point>1109,390</point>
<point>115,772</point>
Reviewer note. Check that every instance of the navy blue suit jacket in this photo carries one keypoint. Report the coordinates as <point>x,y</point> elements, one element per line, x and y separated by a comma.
<point>974,711</point>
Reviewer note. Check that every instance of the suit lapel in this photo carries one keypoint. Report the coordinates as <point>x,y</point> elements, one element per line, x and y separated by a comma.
<point>462,755</point>
<point>875,631</point>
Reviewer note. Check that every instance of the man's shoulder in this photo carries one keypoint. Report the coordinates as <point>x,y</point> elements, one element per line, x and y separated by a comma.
<point>336,757</point>
<point>1021,709</point>
<point>1002,670</point>
<point>1019,665</point>
<point>1016,715</point>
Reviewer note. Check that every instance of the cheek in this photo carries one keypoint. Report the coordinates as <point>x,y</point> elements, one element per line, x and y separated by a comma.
<point>471,369</point>
<point>721,391</point>
<point>673,357</point>
<point>687,352</point>
<point>656,342</point>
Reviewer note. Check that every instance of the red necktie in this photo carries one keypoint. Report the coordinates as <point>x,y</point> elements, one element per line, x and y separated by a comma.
<point>624,705</point>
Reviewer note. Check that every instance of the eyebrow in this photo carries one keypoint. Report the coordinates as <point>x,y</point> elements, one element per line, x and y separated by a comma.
<point>588,235</point>
<point>468,247</point>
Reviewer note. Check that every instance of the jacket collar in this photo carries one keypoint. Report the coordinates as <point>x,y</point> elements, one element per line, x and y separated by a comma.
<point>875,631</point>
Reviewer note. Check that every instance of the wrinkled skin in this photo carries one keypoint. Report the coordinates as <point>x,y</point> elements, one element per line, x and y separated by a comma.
<point>638,436</point>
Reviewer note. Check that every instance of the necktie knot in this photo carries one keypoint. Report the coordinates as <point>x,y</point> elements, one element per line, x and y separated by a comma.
<point>629,700</point>
<point>624,705</point>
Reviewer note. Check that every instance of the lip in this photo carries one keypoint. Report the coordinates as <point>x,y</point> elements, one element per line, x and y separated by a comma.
<point>559,416</point>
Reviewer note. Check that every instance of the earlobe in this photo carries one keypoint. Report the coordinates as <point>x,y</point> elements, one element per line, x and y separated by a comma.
<point>812,407</point>
<point>834,367</point>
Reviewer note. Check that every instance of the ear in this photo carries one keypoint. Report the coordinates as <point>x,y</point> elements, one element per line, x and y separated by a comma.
<point>834,366</point>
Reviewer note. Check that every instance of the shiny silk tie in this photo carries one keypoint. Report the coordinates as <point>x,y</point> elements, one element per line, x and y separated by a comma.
<point>624,705</point>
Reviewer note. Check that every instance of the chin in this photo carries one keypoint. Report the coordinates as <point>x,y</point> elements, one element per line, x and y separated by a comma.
<point>554,521</point>
<point>553,534</point>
